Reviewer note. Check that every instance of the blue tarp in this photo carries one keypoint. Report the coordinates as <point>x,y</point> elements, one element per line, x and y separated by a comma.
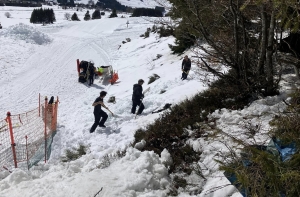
<point>275,147</point>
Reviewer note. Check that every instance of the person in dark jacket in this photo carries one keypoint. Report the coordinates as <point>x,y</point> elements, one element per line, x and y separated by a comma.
<point>91,74</point>
<point>99,113</point>
<point>185,67</point>
<point>137,97</point>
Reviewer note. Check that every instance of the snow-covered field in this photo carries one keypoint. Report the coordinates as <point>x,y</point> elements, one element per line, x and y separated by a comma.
<point>42,59</point>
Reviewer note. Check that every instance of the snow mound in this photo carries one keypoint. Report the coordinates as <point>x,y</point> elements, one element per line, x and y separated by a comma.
<point>27,33</point>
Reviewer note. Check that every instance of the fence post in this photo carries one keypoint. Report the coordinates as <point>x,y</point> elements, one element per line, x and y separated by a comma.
<point>27,152</point>
<point>78,67</point>
<point>52,116</point>
<point>56,109</point>
<point>45,131</point>
<point>55,114</point>
<point>12,139</point>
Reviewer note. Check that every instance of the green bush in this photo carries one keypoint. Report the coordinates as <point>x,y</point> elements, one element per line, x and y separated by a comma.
<point>165,32</point>
<point>266,174</point>
<point>74,154</point>
<point>153,78</point>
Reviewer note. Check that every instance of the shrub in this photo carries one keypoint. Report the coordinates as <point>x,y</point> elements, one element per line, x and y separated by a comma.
<point>265,173</point>
<point>147,33</point>
<point>154,29</point>
<point>162,91</point>
<point>75,17</point>
<point>153,78</point>
<point>7,14</point>
<point>108,159</point>
<point>74,154</point>
<point>158,56</point>
<point>165,32</point>
<point>87,16</point>
<point>96,14</point>
<point>67,16</point>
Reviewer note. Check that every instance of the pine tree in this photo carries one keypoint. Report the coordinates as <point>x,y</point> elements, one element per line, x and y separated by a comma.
<point>113,14</point>
<point>87,16</point>
<point>75,17</point>
<point>96,14</point>
<point>33,18</point>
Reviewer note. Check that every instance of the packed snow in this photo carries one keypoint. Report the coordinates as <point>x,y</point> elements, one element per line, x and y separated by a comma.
<point>42,59</point>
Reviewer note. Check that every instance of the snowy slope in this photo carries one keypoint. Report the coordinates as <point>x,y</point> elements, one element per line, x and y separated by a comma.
<point>42,59</point>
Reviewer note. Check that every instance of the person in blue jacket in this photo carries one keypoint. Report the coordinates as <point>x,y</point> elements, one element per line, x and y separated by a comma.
<point>137,97</point>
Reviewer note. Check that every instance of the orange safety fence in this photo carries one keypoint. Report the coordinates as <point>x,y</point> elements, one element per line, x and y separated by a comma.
<point>26,138</point>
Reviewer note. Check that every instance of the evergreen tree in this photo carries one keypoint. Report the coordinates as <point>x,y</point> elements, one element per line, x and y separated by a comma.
<point>146,12</point>
<point>34,17</point>
<point>75,17</point>
<point>96,14</point>
<point>87,16</point>
<point>42,16</point>
<point>113,14</point>
<point>228,28</point>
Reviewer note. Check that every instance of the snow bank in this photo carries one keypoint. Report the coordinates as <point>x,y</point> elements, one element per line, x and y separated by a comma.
<point>27,33</point>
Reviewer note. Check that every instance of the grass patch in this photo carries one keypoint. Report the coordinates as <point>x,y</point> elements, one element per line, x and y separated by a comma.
<point>75,153</point>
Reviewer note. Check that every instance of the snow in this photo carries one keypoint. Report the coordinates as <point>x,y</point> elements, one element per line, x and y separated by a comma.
<point>42,59</point>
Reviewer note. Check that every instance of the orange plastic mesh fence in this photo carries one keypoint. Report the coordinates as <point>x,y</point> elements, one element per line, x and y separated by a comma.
<point>32,137</point>
<point>6,158</point>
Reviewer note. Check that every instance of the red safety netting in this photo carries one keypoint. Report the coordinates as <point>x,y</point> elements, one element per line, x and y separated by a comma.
<point>26,138</point>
